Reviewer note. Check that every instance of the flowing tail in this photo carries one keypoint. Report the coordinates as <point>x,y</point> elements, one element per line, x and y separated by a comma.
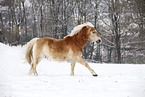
<point>29,48</point>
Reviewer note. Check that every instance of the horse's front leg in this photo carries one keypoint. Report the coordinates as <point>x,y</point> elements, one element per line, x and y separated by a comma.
<point>72,67</point>
<point>81,61</point>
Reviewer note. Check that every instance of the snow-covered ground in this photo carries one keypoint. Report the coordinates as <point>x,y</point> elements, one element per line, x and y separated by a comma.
<point>114,80</point>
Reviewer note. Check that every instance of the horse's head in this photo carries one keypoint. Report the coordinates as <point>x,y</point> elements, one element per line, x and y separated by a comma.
<point>87,30</point>
<point>93,35</point>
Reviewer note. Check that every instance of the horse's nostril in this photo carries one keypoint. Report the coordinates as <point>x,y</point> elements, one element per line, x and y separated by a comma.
<point>98,41</point>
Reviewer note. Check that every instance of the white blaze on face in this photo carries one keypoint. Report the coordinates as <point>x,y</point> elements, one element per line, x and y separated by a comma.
<point>94,36</point>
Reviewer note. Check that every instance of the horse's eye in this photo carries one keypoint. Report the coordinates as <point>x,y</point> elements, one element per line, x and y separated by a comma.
<point>93,32</point>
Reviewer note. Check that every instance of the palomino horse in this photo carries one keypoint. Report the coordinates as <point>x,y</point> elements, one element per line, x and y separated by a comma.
<point>67,49</point>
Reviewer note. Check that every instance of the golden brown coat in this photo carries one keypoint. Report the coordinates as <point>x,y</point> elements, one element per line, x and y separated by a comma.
<point>67,49</point>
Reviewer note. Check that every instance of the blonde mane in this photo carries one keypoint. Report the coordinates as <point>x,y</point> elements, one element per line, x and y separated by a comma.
<point>79,27</point>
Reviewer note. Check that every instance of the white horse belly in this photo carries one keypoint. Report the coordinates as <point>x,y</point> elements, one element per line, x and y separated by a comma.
<point>59,56</point>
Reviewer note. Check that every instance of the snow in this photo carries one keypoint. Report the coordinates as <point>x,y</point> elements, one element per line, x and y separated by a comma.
<point>114,80</point>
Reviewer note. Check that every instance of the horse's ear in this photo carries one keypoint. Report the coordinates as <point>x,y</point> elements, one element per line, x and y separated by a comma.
<point>85,27</point>
<point>88,28</point>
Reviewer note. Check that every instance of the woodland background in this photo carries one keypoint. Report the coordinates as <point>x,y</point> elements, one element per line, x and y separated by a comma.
<point>120,23</point>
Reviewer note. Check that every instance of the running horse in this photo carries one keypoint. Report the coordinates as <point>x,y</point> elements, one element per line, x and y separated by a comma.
<point>67,49</point>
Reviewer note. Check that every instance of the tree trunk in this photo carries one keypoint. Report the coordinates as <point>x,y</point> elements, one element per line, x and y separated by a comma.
<point>41,19</point>
<point>1,30</point>
<point>116,29</point>
<point>25,21</point>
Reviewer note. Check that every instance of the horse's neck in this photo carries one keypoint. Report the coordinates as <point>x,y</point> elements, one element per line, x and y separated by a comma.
<point>81,39</point>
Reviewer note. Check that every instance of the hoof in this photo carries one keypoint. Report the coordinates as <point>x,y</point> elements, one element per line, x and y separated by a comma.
<point>95,75</point>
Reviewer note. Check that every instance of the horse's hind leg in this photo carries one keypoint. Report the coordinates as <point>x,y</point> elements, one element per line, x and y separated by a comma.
<point>34,64</point>
<point>37,55</point>
<point>31,69</point>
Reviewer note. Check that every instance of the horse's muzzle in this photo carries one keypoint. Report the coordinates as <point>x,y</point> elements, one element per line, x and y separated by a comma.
<point>98,41</point>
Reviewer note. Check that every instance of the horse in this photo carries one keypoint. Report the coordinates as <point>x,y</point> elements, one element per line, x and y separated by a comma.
<point>67,49</point>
